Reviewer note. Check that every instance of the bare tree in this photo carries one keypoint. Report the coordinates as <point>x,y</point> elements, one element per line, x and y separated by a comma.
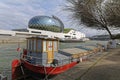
<point>96,14</point>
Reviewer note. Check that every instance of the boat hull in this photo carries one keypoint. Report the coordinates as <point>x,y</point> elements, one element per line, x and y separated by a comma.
<point>51,71</point>
<point>21,67</point>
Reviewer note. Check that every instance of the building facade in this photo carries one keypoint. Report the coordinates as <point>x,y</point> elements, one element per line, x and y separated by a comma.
<point>45,26</point>
<point>52,27</point>
<point>72,34</point>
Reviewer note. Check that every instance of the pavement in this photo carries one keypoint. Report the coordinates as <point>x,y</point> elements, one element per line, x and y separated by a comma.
<point>102,66</point>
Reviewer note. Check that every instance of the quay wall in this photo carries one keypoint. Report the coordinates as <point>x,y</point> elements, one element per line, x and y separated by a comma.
<point>11,39</point>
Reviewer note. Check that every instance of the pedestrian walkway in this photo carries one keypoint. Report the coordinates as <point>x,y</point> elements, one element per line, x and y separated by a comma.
<point>105,66</point>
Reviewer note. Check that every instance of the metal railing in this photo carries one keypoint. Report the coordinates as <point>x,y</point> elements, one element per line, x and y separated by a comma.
<point>39,61</point>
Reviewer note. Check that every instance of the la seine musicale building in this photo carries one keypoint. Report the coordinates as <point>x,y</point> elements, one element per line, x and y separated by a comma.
<point>47,26</point>
<point>52,27</point>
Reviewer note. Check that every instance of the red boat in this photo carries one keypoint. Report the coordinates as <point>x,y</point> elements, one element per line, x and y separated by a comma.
<point>42,57</point>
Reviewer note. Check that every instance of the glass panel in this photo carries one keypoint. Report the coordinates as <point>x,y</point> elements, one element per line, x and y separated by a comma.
<point>39,45</point>
<point>50,45</point>
<point>55,45</point>
<point>28,44</point>
<point>34,45</point>
<point>31,44</point>
<point>44,46</point>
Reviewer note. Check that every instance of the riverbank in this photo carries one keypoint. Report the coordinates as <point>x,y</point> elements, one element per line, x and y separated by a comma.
<point>11,39</point>
<point>8,52</point>
<point>104,66</point>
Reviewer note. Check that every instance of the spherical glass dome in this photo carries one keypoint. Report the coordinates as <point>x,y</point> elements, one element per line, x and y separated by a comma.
<point>45,23</point>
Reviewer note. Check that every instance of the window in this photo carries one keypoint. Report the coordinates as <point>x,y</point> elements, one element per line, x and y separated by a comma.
<point>44,46</point>
<point>50,45</point>
<point>55,45</point>
<point>38,45</point>
<point>36,32</point>
<point>74,34</point>
<point>34,45</point>
<point>28,44</point>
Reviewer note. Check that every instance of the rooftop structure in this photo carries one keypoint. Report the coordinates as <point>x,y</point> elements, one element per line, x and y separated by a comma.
<point>46,23</point>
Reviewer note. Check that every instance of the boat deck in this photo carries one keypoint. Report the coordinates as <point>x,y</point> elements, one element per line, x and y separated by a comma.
<point>74,50</point>
<point>80,51</point>
<point>62,59</point>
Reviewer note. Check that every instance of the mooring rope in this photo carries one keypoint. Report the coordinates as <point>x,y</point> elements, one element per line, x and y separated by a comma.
<point>46,77</point>
<point>22,70</point>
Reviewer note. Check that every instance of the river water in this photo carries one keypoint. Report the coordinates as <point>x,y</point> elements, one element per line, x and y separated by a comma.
<point>8,53</point>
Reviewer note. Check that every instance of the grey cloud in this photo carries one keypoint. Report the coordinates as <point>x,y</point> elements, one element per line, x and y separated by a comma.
<point>13,15</point>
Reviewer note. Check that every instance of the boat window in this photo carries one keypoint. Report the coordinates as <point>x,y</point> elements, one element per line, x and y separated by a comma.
<point>31,44</point>
<point>28,44</point>
<point>55,45</point>
<point>50,45</point>
<point>38,45</point>
<point>34,43</point>
<point>44,46</point>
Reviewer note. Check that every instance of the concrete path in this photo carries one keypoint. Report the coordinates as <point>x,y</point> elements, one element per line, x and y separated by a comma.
<point>104,66</point>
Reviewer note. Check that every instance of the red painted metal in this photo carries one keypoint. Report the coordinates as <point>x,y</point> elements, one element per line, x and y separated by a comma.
<point>24,53</point>
<point>49,70</point>
<point>16,70</point>
<point>15,65</point>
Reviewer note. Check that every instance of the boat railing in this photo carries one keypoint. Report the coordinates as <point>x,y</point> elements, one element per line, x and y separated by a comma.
<point>40,61</point>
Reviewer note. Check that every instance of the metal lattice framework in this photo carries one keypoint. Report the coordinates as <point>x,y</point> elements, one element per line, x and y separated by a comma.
<point>46,23</point>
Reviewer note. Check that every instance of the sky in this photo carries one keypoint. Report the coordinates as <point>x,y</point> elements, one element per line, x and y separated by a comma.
<point>15,14</point>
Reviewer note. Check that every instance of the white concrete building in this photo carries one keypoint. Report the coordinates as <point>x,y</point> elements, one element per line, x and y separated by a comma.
<point>72,34</point>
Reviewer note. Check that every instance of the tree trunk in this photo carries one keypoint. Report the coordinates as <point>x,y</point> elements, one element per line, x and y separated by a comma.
<point>111,36</point>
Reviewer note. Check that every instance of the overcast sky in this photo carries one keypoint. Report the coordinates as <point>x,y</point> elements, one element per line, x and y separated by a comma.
<point>16,13</point>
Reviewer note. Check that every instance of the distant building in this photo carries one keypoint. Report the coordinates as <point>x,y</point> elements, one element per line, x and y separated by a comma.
<point>47,26</point>
<point>53,27</point>
<point>72,34</point>
<point>46,23</point>
<point>100,37</point>
<point>21,30</point>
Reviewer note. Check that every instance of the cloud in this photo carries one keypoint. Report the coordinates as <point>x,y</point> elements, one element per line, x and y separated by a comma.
<point>16,14</point>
